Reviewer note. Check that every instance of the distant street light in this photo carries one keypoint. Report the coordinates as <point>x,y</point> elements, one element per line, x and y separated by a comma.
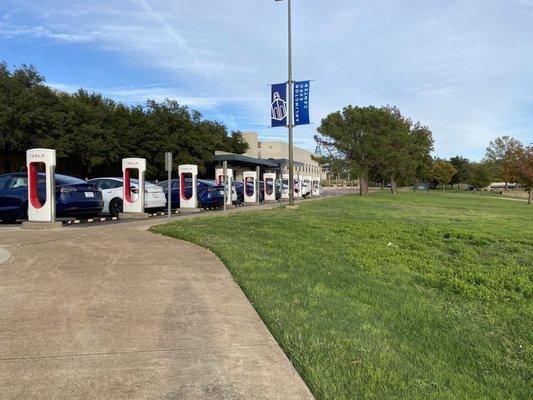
<point>290,106</point>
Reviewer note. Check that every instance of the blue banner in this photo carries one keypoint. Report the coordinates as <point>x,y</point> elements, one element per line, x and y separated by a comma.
<point>301,103</point>
<point>279,105</point>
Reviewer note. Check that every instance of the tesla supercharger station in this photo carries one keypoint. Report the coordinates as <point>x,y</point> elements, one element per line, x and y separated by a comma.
<point>188,199</point>
<point>250,183</point>
<point>41,210</point>
<point>133,203</point>
<point>219,174</point>
<point>269,185</point>
<point>285,186</point>
<point>306,185</point>
<point>315,187</point>
<point>297,186</point>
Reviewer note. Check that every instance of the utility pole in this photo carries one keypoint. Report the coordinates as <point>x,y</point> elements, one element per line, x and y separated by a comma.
<point>290,99</point>
<point>225,180</point>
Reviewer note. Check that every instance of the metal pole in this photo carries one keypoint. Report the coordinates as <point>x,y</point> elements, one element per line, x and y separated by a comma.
<point>289,110</point>
<point>257,185</point>
<point>348,183</point>
<point>168,167</point>
<point>225,180</point>
<point>329,183</point>
<point>169,191</point>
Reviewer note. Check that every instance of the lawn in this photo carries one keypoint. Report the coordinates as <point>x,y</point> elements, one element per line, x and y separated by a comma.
<point>414,296</point>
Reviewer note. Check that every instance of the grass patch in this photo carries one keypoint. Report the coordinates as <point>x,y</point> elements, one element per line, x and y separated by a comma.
<point>414,296</point>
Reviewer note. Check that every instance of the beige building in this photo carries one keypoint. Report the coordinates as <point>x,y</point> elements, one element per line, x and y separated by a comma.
<point>304,165</point>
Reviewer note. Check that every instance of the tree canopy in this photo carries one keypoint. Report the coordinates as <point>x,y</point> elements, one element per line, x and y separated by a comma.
<point>377,141</point>
<point>443,171</point>
<point>503,154</point>
<point>91,133</point>
<point>480,175</point>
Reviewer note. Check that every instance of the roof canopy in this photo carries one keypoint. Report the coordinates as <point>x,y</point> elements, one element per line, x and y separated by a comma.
<point>238,160</point>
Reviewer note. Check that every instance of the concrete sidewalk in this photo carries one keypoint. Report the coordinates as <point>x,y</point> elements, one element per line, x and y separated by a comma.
<point>116,312</point>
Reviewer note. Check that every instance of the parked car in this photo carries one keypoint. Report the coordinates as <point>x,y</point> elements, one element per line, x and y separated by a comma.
<point>74,197</point>
<point>154,198</point>
<point>239,188</point>
<point>208,193</point>
<point>262,191</point>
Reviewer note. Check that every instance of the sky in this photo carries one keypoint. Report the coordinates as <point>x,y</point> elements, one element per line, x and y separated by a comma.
<point>463,68</point>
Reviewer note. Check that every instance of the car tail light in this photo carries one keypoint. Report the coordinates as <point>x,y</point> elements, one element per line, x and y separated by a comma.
<point>67,189</point>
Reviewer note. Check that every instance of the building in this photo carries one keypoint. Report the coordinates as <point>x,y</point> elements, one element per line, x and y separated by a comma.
<point>266,156</point>
<point>304,165</point>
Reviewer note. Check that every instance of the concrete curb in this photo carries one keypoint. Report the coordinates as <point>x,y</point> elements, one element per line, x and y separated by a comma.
<point>4,255</point>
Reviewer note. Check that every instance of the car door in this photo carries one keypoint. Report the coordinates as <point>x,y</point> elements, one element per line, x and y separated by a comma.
<point>110,189</point>
<point>6,208</point>
<point>13,195</point>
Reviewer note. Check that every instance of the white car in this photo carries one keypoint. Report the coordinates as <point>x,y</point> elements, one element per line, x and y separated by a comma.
<point>111,189</point>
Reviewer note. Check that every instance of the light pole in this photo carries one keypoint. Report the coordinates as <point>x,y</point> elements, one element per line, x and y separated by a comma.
<point>289,108</point>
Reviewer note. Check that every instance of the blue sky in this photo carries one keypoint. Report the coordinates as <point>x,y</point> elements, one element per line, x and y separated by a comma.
<point>464,68</point>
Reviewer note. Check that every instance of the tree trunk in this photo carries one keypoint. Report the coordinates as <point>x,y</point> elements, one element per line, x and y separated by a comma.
<point>443,187</point>
<point>392,185</point>
<point>530,196</point>
<point>363,184</point>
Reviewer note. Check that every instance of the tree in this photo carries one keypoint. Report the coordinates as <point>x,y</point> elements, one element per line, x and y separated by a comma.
<point>503,154</point>
<point>92,133</point>
<point>24,106</point>
<point>392,153</point>
<point>377,141</point>
<point>442,171</point>
<point>462,165</point>
<point>525,171</point>
<point>480,175</point>
<point>350,135</point>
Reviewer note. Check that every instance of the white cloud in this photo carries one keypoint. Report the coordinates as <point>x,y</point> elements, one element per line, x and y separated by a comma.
<point>465,68</point>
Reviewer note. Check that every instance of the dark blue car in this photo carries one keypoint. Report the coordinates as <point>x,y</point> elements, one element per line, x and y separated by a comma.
<point>239,188</point>
<point>209,194</point>
<point>74,197</point>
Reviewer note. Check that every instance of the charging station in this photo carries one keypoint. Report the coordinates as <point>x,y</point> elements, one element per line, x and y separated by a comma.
<point>250,184</point>
<point>297,186</point>
<point>219,175</point>
<point>315,187</point>
<point>188,174</point>
<point>306,185</point>
<point>285,186</point>
<point>133,195</point>
<point>269,184</point>
<point>41,205</point>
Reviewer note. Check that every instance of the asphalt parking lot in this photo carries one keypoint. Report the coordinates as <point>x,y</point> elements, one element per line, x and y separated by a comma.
<point>161,215</point>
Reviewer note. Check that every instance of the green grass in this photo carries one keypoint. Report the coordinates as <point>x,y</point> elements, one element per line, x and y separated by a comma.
<point>414,296</point>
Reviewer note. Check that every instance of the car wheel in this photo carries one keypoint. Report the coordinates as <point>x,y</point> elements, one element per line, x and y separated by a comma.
<point>115,207</point>
<point>199,204</point>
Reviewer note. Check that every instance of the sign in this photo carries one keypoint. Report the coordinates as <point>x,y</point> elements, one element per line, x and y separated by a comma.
<point>168,161</point>
<point>301,103</point>
<point>279,105</point>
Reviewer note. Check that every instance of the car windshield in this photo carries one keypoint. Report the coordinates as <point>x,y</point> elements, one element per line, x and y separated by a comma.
<point>146,183</point>
<point>207,182</point>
